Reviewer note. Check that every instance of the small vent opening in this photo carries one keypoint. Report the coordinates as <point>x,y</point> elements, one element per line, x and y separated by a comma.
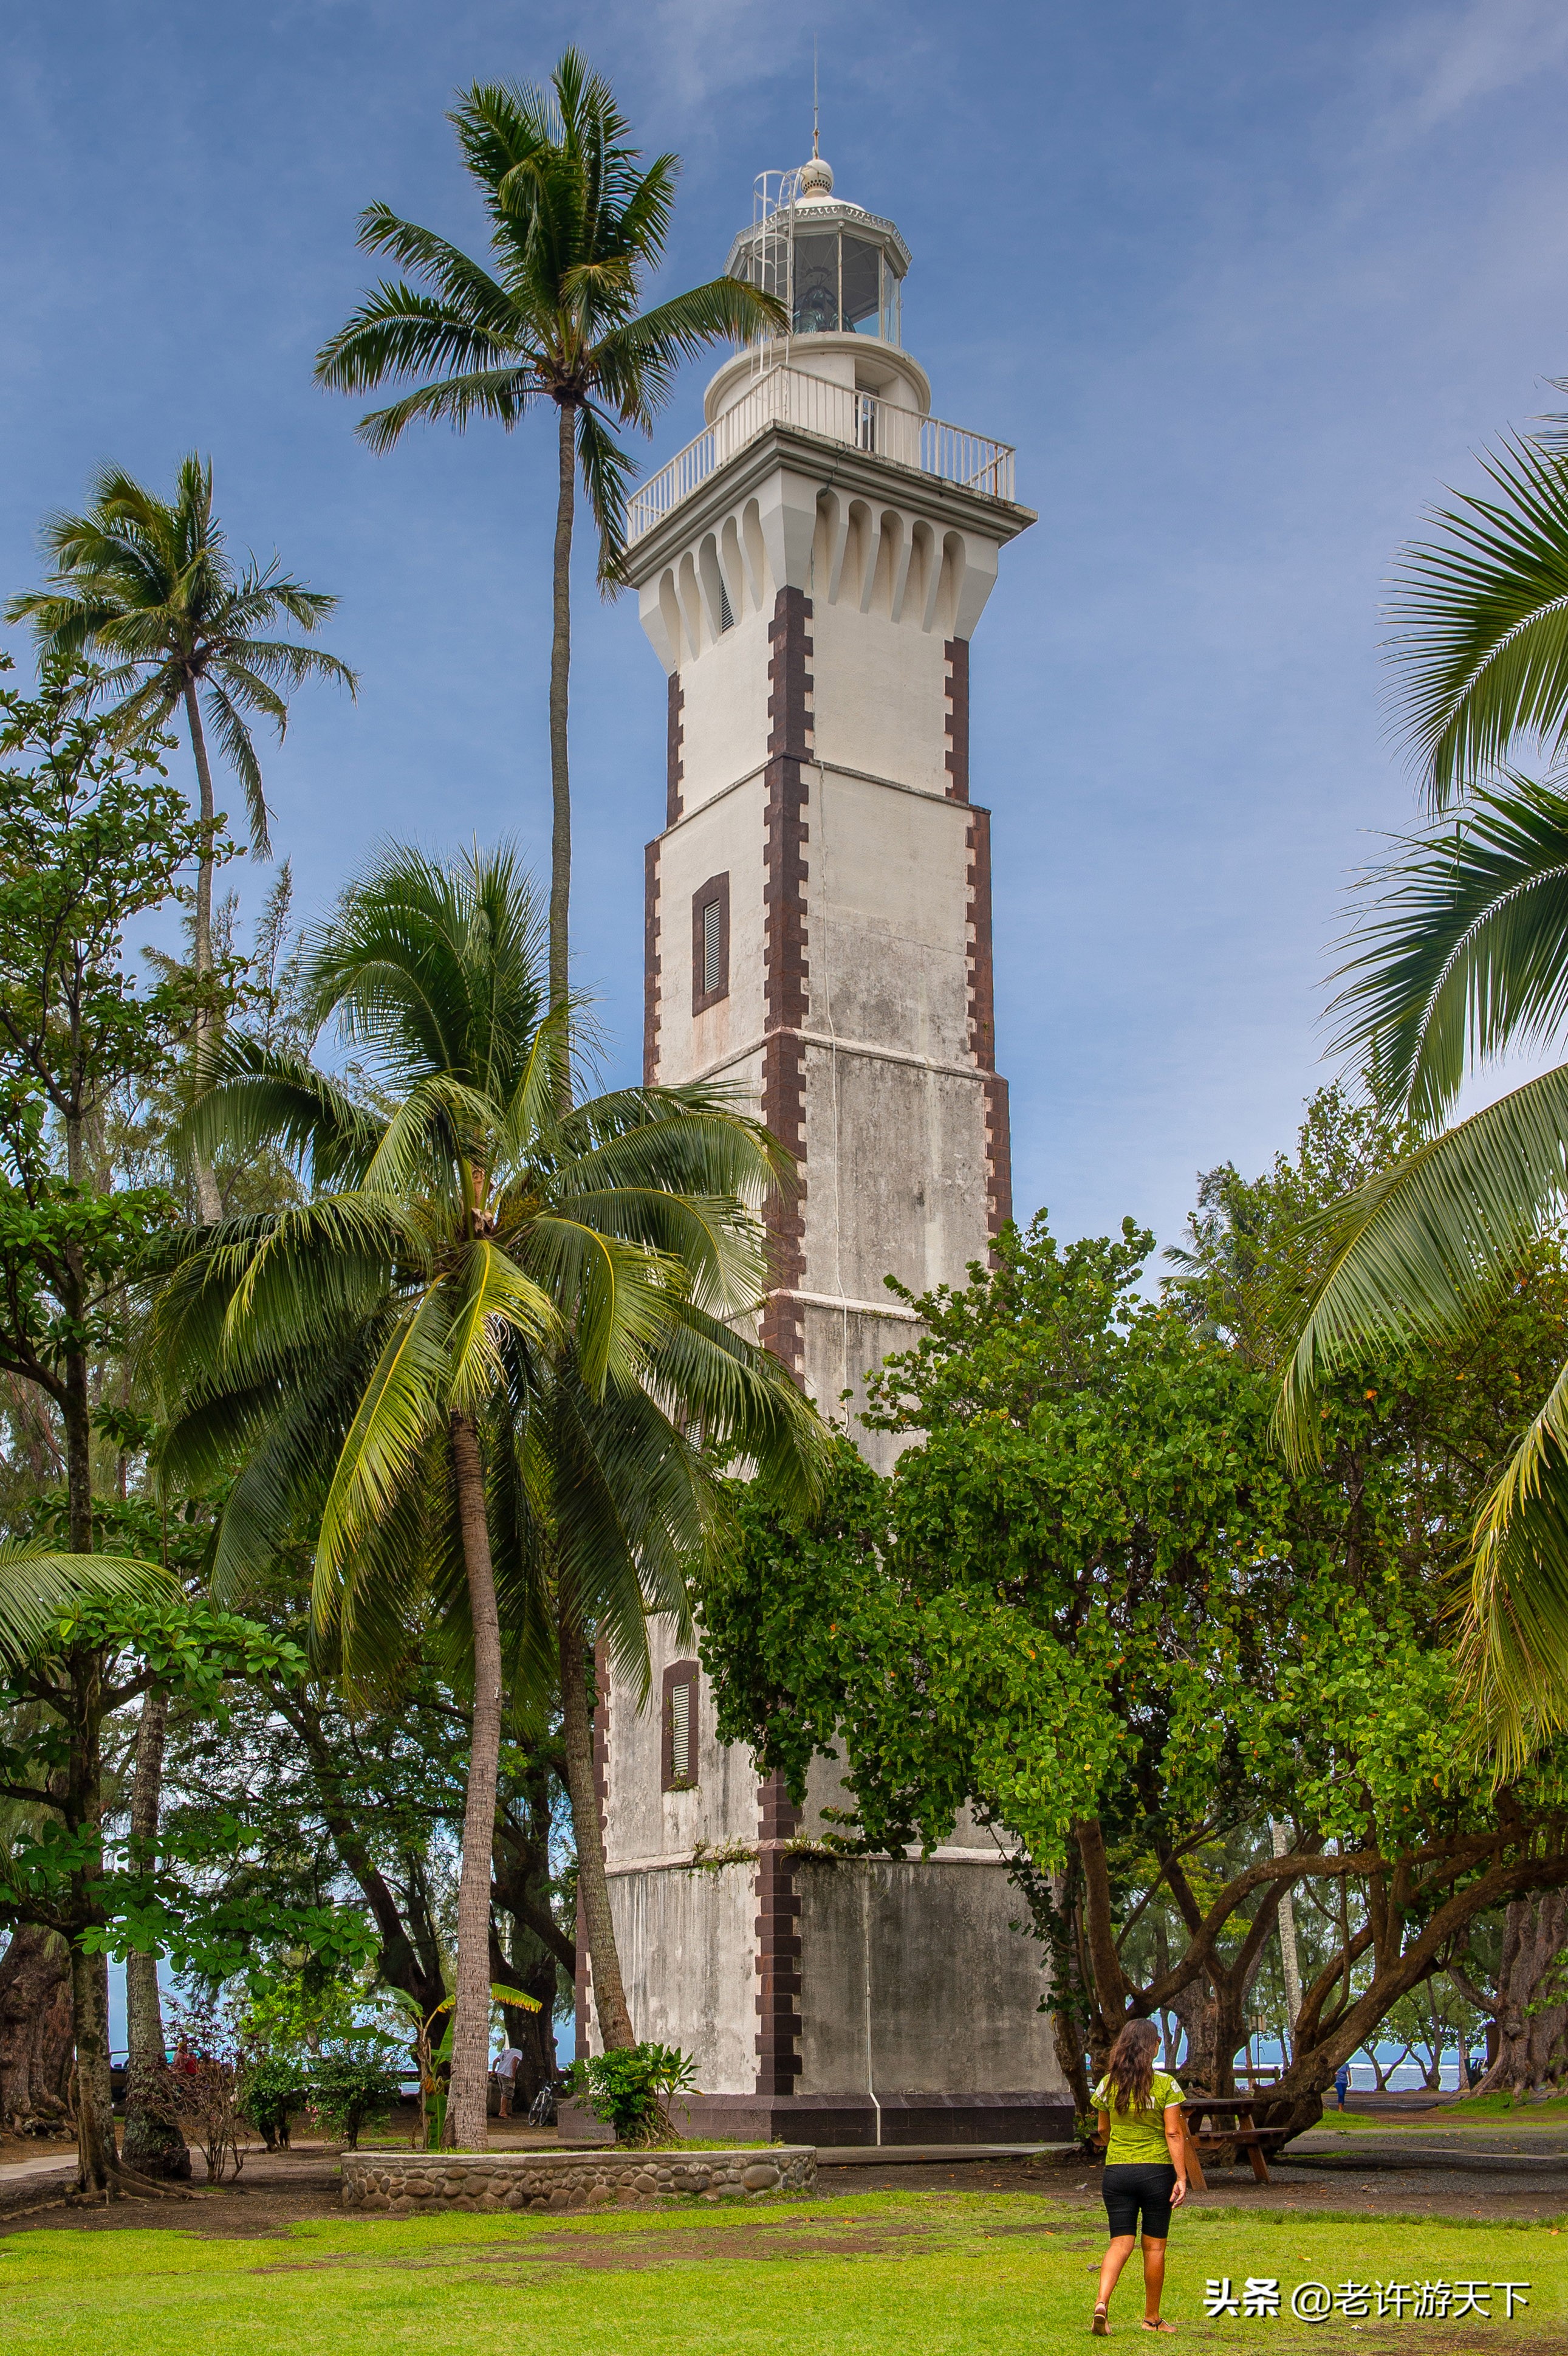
<point>712,949</point>
<point>726,618</point>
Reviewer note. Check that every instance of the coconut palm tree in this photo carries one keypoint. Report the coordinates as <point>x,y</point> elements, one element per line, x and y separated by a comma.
<point>577,227</point>
<point>477,1362</point>
<point>146,586</point>
<point>1464,954</point>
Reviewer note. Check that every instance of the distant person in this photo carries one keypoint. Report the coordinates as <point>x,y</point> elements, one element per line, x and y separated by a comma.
<point>1342,2082</point>
<point>1146,2165</point>
<point>507,2076</point>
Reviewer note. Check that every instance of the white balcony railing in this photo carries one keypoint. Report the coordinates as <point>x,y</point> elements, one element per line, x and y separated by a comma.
<point>788,396</point>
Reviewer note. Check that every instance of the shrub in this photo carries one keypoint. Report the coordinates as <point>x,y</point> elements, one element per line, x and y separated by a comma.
<point>631,2090</point>
<point>271,2087</point>
<point>346,2088</point>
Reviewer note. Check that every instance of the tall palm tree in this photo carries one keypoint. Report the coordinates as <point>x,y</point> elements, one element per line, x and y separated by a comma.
<point>146,586</point>
<point>477,1362</point>
<point>1466,955</point>
<point>577,226</point>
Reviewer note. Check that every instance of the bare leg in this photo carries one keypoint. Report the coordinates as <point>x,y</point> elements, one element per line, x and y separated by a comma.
<point>1116,2257</point>
<point>1154,2277</point>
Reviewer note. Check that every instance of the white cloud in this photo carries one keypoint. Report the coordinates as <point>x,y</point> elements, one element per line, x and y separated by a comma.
<point>1451,58</point>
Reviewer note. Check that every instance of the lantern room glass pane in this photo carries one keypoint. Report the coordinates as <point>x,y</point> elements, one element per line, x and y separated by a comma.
<point>863,290</point>
<point>815,285</point>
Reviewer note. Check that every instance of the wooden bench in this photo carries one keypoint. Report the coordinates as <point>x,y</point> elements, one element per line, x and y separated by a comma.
<point>1246,2134</point>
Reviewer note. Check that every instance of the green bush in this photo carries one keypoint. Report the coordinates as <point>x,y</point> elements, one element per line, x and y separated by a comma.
<point>631,2090</point>
<point>346,2088</point>
<point>271,2087</point>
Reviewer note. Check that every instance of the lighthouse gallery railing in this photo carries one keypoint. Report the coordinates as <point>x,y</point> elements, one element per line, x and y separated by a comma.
<point>788,396</point>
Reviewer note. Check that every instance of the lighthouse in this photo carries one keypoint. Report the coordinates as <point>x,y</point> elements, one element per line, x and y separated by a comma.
<point>817,935</point>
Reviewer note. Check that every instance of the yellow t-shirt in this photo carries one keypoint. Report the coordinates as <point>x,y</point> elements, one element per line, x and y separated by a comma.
<point>1137,2137</point>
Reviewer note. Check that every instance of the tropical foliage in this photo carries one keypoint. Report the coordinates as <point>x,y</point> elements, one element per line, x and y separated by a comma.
<point>146,586</point>
<point>1463,957</point>
<point>457,1359</point>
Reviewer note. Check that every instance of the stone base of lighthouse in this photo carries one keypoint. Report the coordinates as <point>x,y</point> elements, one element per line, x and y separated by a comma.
<point>823,2001</point>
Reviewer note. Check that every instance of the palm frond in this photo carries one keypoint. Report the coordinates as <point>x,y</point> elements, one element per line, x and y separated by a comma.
<point>1483,642</point>
<point>1419,1248</point>
<point>1468,952</point>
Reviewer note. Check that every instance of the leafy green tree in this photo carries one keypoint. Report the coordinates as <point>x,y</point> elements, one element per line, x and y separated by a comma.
<point>476,1362</point>
<point>577,227</point>
<point>1096,1607</point>
<point>147,584</point>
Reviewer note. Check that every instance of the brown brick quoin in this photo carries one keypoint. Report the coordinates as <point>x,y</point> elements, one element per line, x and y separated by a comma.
<point>778,1943</point>
<point>674,737</point>
<point>983,1025</point>
<point>957,721</point>
<point>651,964</point>
<point>785,968</point>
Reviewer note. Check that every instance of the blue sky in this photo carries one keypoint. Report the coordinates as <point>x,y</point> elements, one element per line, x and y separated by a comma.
<point>1245,285</point>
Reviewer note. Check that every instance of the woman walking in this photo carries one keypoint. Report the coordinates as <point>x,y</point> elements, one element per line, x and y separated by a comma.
<point>1146,2165</point>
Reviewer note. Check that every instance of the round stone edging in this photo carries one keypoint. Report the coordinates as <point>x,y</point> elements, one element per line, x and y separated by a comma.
<point>407,2183</point>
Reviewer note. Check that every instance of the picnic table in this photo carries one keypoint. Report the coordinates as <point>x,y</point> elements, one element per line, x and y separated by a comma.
<point>1246,2133</point>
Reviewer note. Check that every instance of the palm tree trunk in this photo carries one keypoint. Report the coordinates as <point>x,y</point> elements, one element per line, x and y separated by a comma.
<point>560,676</point>
<point>153,2140</point>
<point>471,2014</point>
<point>610,2005</point>
<point>208,1199</point>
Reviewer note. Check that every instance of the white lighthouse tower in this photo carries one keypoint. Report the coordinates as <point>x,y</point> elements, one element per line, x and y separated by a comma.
<point>819,932</point>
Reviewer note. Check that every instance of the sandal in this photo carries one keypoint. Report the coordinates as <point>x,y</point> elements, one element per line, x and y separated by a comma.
<point>1157,2324</point>
<point>1101,2327</point>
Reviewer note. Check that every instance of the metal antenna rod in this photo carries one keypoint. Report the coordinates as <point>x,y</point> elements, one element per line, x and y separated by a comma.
<point>814,110</point>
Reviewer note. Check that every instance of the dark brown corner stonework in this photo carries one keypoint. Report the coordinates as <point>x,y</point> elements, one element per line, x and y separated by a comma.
<point>650,964</point>
<point>983,1025</point>
<point>785,969</point>
<point>602,1791</point>
<point>778,1941</point>
<point>957,722</point>
<point>674,739</point>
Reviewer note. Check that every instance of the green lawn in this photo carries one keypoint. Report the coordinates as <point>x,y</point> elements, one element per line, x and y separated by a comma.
<point>883,2275</point>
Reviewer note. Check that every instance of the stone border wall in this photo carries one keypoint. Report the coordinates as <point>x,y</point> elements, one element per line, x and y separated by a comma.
<point>407,2183</point>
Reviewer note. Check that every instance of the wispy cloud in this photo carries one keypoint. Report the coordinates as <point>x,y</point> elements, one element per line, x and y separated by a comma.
<point>1449,59</point>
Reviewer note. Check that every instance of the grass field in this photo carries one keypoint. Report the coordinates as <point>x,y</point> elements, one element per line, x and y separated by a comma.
<point>882,2275</point>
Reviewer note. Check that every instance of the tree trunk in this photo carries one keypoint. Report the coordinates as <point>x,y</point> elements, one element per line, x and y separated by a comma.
<point>96,2156</point>
<point>609,2007</point>
<point>560,678</point>
<point>1530,2049</point>
<point>1289,1961</point>
<point>209,1202</point>
<point>153,2143</point>
<point>35,2027</point>
<point>471,2019</point>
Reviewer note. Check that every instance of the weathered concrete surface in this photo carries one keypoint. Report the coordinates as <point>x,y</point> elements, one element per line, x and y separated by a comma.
<point>405,2183</point>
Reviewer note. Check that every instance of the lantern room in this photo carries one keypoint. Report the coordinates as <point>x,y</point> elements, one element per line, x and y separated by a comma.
<point>839,269</point>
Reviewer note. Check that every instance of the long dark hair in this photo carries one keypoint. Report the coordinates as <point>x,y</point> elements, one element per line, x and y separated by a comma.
<point>1129,2073</point>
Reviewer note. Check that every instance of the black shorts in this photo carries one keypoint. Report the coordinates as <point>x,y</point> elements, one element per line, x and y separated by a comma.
<point>1147,2186</point>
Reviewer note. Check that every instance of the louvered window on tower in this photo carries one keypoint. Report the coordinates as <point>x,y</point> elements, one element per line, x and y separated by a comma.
<point>726,618</point>
<point>712,948</point>
<point>680,1734</point>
